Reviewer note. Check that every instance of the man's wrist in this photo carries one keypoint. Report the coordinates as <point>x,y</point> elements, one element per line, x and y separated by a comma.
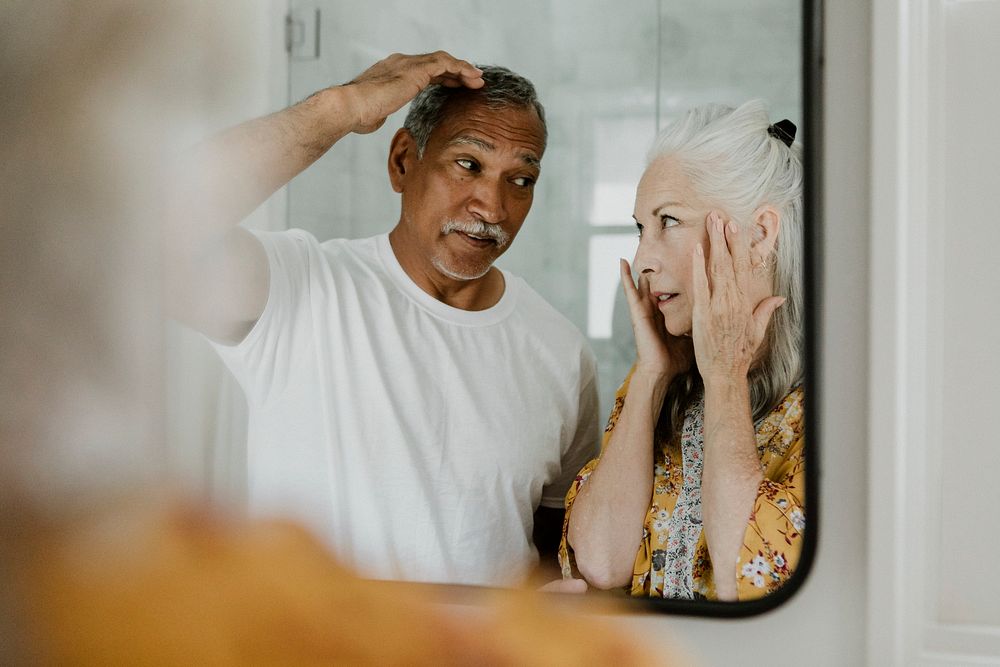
<point>336,110</point>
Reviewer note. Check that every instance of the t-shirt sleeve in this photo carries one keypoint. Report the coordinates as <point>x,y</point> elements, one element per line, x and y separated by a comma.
<point>772,541</point>
<point>584,445</point>
<point>262,361</point>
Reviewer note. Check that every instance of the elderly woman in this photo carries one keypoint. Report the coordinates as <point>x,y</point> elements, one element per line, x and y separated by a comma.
<point>698,491</point>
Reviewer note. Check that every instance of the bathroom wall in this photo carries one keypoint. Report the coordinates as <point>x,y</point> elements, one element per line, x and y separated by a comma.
<point>609,74</point>
<point>825,623</point>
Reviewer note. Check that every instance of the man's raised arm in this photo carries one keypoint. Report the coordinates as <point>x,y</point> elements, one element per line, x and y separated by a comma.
<point>218,274</point>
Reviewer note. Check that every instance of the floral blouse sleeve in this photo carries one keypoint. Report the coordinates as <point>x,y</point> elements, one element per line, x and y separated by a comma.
<point>773,538</point>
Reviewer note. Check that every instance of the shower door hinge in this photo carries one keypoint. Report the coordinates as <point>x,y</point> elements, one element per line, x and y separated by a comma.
<point>302,33</point>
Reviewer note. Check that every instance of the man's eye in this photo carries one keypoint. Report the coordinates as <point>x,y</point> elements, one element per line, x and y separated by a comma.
<point>524,181</point>
<point>669,221</point>
<point>465,163</point>
<point>639,227</point>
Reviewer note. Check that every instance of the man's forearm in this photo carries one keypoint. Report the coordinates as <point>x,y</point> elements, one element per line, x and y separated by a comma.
<point>218,276</point>
<point>217,280</point>
<point>236,171</point>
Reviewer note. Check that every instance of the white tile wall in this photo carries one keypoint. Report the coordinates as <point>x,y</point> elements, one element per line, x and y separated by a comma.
<point>594,63</point>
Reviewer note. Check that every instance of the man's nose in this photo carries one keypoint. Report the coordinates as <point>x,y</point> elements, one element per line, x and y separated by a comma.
<point>488,201</point>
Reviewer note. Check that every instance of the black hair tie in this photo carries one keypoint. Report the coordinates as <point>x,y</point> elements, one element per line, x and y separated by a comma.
<point>784,130</point>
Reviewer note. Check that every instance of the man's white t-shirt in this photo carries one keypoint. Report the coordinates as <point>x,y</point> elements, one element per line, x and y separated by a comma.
<point>416,438</point>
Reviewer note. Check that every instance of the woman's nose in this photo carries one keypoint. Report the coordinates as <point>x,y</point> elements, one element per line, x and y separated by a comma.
<point>645,261</point>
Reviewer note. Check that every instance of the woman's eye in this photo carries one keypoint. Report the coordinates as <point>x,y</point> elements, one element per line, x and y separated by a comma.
<point>669,221</point>
<point>639,227</point>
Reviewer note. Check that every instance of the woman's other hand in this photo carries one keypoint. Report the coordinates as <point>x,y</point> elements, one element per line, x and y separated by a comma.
<point>564,586</point>
<point>657,351</point>
<point>727,325</point>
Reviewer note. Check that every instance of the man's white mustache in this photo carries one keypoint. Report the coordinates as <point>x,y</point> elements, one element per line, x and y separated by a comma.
<point>478,228</point>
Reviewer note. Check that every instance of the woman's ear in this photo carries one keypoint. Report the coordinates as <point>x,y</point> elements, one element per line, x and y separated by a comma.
<point>766,223</point>
<point>402,153</point>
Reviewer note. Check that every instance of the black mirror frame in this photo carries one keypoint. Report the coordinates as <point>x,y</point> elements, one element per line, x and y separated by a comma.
<point>812,134</point>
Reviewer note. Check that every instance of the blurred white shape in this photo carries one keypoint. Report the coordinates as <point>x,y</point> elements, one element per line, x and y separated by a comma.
<point>620,145</point>
<point>603,279</point>
<point>612,204</point>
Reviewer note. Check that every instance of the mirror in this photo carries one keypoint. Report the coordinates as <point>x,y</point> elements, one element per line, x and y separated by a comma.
<point>610,76</point>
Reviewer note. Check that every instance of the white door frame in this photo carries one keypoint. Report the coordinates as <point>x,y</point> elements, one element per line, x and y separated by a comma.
<point>905,625</point>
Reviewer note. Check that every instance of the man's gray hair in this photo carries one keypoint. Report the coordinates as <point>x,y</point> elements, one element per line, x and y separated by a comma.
<point>734,163</point>
<point>503,89</point>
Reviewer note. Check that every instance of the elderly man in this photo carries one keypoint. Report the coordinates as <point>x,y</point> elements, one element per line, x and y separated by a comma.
<point>421,409</point>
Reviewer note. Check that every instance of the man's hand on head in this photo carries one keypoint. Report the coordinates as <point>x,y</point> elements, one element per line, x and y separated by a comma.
<point>386,86</point>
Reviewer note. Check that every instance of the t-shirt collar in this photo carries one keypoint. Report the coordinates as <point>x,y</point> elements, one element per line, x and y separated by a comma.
<point>402,280</point>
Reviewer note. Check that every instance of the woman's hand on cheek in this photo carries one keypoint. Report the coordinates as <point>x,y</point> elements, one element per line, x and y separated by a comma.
<point>658,352</point>
<point>727,327</point>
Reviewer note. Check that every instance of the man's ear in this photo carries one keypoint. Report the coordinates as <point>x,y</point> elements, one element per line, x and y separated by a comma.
<point>402,155</point>
<point>766,224</point>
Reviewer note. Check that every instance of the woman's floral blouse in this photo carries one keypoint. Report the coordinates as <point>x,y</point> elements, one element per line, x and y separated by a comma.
<point>673,559</point>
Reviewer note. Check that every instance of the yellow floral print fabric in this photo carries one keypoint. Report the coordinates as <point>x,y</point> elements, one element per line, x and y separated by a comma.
<point>773,538</point>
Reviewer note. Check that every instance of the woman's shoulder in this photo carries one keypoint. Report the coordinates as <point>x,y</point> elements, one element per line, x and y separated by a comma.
<point>792,402</point>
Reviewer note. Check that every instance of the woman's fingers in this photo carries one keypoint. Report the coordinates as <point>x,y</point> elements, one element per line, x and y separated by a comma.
<point>637,295</point>
<point>639,305</point>
<point>634,297</point>
<point>738,241</point>
<point>647,323</point>
<point>643,288</point>
<point>699,280</point>
<point>565,586</point>
<point>631,294</point>
<point>720,261</point>
<point>730,250</point>
<point>763,312</point>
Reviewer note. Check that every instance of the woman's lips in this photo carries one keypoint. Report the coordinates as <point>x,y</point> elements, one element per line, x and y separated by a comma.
<point>663,298</point>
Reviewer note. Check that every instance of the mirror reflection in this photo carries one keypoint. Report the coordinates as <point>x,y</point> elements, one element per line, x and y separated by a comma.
<point>425,358</point>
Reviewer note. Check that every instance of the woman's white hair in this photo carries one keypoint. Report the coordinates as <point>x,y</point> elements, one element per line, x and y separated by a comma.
<point>734,162</point>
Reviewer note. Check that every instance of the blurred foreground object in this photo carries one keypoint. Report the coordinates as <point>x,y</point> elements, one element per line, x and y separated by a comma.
<point>94,567</point>
<point>153,586</point>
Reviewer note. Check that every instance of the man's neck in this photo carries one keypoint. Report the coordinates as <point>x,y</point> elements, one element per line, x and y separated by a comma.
<point>474,294</point>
